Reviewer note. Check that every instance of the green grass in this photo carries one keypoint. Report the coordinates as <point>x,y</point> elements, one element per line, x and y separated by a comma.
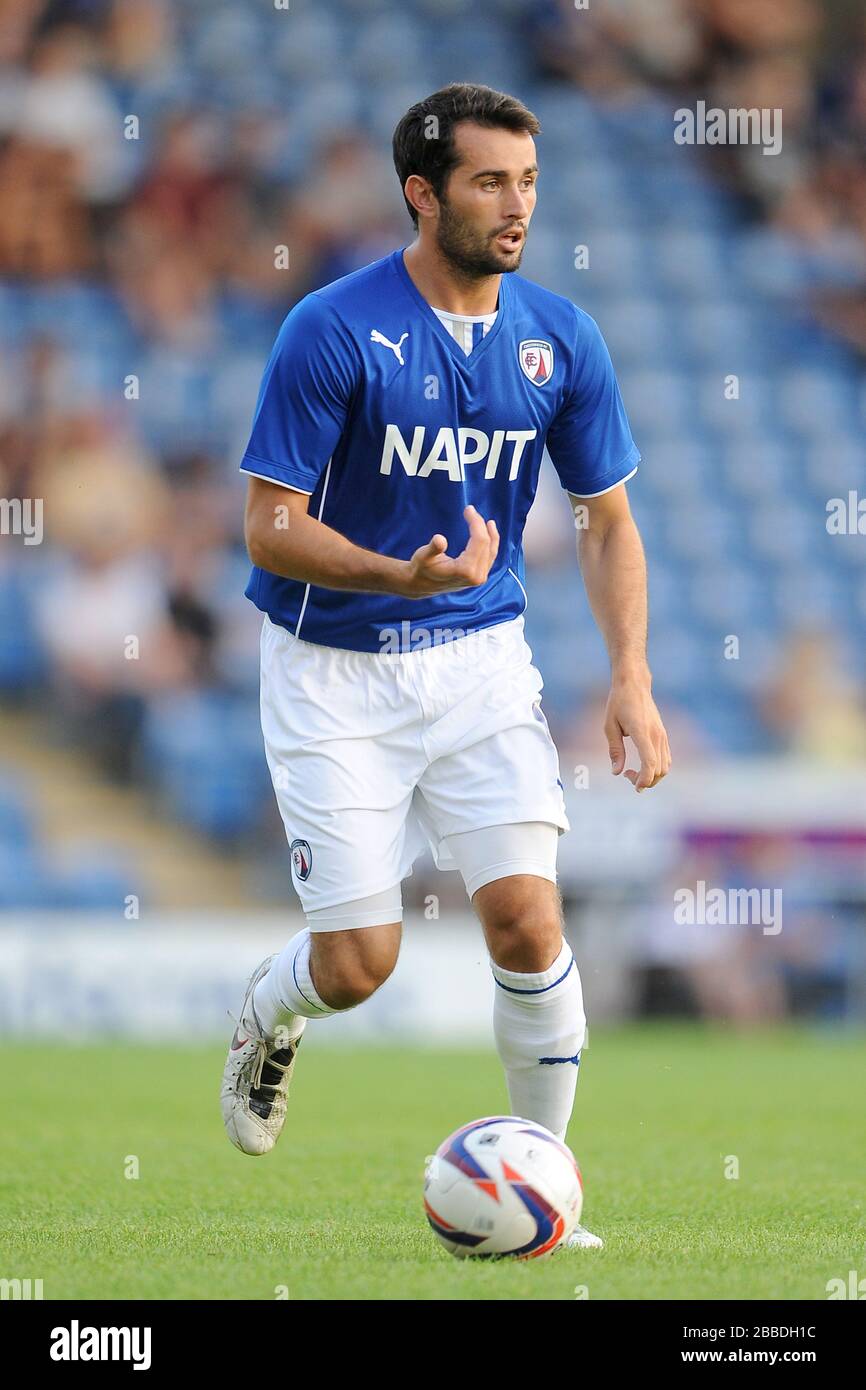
<point>335,1211</point>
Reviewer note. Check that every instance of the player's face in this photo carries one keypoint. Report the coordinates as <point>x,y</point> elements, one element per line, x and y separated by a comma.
<point>488,201</point>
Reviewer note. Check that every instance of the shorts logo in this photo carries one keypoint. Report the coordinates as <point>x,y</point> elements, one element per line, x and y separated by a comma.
<point>536,360</point>
<point>302,858</point>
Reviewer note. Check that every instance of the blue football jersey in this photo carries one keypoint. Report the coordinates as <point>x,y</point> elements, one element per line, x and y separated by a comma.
<point>369,405</point>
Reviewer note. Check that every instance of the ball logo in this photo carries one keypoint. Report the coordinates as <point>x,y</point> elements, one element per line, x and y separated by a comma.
<point>536,360</point>
<point>302,858</point>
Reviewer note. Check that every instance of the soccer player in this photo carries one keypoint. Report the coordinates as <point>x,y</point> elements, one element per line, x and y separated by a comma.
<point>394,456</point>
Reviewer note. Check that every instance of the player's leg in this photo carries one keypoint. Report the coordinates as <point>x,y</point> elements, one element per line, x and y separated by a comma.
<point>342,769</point>
<point>334,964</point>
<point>538,1015</point>
<point>492,802</point>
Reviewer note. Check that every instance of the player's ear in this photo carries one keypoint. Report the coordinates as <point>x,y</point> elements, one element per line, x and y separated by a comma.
<point>419,193</point>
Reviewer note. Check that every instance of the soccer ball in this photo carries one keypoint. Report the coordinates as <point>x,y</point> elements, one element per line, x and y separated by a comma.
<point>502,1186</point>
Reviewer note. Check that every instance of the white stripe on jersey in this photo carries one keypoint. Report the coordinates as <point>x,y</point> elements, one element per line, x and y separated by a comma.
<point>460,326</point>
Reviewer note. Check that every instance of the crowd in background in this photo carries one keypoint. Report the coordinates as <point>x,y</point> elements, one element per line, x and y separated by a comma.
<point>178,227</point>
<point>140,220</point>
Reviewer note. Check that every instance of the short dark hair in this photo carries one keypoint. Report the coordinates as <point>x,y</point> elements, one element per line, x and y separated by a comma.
<point>433,156</point>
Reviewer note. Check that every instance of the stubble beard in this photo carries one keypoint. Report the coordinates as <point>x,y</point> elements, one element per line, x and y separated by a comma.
<point>470,254</point>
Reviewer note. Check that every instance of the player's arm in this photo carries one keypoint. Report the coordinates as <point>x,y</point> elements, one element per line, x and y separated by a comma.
<point>301,414</point>
<point>612,563</point>
<point>284,539</point>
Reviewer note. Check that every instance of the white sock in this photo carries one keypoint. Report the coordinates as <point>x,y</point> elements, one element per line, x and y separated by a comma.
<point>287,995</point>
<point>539,1025</point>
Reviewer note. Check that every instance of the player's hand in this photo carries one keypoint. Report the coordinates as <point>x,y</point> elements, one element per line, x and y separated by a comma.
<point>631,713</point>
<point>431,571</point>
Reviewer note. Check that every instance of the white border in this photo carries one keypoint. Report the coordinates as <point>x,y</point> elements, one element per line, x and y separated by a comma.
<point>582,496</point>
<point>277,481</point>
<point>522,590</point>
<point>318,518</point>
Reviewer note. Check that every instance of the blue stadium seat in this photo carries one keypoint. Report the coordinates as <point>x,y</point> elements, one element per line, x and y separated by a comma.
<point>311,45</point>
<point>22,658</point>
<point>92,879</point>
<point>205,754</point>
<point>25,880</point>
<point>17,829</point>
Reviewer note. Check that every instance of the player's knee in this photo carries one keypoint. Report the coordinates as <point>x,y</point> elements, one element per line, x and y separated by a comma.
<point>345,989</point>
<point>525,935</point>
<point>526,946</point>
<point>348,972</point>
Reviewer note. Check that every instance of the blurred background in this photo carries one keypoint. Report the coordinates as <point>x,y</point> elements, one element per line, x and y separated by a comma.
<point>158,158</point>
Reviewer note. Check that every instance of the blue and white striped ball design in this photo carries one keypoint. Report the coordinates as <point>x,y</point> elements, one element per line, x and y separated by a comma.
<point>502,1186</point>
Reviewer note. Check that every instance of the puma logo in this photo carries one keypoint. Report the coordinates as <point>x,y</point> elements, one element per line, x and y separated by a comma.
<point>377,337</point>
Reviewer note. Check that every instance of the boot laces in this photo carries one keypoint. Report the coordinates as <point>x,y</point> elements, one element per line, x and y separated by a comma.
<point>264,1056</point>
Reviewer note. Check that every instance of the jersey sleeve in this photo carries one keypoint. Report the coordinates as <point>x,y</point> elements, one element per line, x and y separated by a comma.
<point>304,398</point>
<point>590,441</point>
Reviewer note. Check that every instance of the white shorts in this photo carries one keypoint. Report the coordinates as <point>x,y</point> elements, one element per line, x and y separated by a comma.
<point>482,856</point>
<point>375,756</point>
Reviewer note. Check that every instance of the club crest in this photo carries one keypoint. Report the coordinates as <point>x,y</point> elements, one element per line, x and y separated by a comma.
<point>302,858</point>
<point>536,360</point>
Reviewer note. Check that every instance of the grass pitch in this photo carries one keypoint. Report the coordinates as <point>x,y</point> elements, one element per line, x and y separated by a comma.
<point>335,1211</point>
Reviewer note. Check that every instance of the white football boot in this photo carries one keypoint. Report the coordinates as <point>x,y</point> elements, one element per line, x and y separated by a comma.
<point>256,1079</point>
<point>582,1239</point>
